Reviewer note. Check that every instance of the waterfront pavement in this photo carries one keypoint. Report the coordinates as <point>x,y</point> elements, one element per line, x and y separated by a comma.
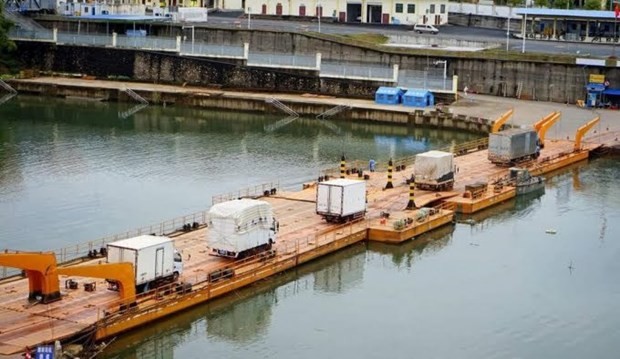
<point>526,112</point>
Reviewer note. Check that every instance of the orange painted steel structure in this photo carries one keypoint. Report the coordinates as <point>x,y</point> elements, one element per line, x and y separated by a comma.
<point>40,269</point>
<point>542,131</point>
<point>497,125</point>
<point>581,131</point>
<point>121,273</point>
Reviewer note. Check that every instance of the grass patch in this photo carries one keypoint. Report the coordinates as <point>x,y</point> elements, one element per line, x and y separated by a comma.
<point>374,39</point>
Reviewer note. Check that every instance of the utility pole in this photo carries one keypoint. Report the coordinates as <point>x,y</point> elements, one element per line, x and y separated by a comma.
<point>249,14</point>
<point>508,30</point>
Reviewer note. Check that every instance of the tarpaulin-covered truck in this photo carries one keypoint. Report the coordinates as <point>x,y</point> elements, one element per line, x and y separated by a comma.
<point>434,171</point>
<point>341,200</point>
<point>506,148</point>
<point>241,228</point>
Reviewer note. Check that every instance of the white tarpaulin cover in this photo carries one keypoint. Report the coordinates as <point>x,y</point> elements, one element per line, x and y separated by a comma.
<point>432,165</point>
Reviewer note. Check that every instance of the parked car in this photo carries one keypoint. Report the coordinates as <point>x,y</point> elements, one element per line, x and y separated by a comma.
<point>427,28</point>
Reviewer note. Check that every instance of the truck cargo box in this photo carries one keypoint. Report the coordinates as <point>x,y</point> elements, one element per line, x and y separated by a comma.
<point>238,226</point>
<point>341,199</point>
<point>513,145</point>
<point>153,257</point>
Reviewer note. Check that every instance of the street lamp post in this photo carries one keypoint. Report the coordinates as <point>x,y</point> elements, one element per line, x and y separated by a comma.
<point>445,68</point>
<point>508,31</point>
<point>190,27</point>
<point>318,14</point>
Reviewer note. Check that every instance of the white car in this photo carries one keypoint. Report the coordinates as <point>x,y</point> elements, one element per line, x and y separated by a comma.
<point>420,28</point>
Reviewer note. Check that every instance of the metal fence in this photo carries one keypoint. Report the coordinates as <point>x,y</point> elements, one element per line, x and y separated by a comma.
<point>77,251</point>
<point>82,40</point>
<point>147,43</point>
<point>202,49</point>
<point>258,190</point>
<point>354,70</point>
<point>278,60</point>
<point>38,35</point>
<point>431,79</point>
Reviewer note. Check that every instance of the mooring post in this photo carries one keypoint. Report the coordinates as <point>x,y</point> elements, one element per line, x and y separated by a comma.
<point>411,204</point>
<point>389,175</point>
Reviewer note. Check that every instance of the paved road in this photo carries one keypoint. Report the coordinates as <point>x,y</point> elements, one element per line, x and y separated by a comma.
<point>447,32</point>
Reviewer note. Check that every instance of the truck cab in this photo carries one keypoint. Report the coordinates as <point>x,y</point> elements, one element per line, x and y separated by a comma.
<point>178,265</point>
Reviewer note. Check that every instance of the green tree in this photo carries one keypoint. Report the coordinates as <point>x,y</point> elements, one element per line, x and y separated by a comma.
<point>592,5</point>
<point>541,3</point>
<point>561,4</point>
<point>6,45</point>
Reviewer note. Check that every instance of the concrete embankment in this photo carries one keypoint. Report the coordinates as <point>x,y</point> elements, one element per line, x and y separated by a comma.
<point>540,77</point>
<point>305,105</point>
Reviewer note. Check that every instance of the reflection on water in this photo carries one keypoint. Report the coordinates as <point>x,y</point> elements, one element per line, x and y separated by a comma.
<point>77,172</point>
<point>500,288</point>
<point>244,317</point>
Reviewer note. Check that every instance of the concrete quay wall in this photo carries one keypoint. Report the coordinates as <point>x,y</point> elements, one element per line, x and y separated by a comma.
<point>540,80</point>
<point>256,103</point>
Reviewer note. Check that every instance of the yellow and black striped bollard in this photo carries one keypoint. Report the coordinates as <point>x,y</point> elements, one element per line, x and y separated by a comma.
<point>389,174</point>
<point>411,204</point>
<point>343,166</point>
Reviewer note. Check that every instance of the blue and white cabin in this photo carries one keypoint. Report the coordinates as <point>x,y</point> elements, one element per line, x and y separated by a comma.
<point>388,95</point>
<point>418,98</point>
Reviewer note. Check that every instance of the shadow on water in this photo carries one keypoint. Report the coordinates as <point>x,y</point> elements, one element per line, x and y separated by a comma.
<point>404,254</point>
<point>243,316</point>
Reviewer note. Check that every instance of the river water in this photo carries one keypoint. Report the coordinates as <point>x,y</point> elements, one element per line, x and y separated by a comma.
<point>537,277</point>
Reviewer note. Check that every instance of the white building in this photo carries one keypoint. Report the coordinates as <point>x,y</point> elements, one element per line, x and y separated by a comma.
<point>366,11</point>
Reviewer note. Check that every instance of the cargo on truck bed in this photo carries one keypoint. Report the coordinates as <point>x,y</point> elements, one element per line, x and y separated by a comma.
<point>512,146</point>
<point>434,171</point>
<point>240,228</point>
<point>341,200</point>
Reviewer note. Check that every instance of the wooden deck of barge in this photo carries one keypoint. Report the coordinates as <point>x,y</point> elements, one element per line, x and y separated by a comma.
<point>303,237</point>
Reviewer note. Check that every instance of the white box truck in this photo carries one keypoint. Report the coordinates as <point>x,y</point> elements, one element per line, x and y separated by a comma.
<point>434,171</point>
<point>154,258</point>
<point>341,200</point>
<point>241,228</point>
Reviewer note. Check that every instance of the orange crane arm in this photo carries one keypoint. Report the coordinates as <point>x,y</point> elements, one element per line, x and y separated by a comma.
<point>41,271</point>
<point>581,131</point>
<point>539,124</point>
<point>122,273</point>
<point>546,126</point>
<point>501,120</point>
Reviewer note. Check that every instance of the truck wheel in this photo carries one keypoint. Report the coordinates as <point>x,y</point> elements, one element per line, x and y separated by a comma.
<point>175,276</point>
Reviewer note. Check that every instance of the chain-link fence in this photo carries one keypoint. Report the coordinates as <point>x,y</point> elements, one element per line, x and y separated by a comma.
<point>354,70</point>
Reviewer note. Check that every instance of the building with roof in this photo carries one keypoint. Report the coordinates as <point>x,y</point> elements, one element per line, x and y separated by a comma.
<point>570,25</point>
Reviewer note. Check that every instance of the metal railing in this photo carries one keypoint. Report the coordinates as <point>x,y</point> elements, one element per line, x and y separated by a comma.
<point>136,97</point>
<point>333,111</point>
<point>7,87</point>
<point>147,43</point>
<point>282,106</point>
<point>282,60</point>
<point>255,191</point>
<point>408,161</point>
<point>202,49</point>
<point>82,40</point>
<point>71,253</point>
<point>360,71</point>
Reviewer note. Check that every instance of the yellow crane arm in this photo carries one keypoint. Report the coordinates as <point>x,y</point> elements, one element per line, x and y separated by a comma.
<point>501,120</point>
<point>41,271</point>
<point>581,131</point>
<point>546,126</point>
<point>539,124</point>
<point>122,273</point>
